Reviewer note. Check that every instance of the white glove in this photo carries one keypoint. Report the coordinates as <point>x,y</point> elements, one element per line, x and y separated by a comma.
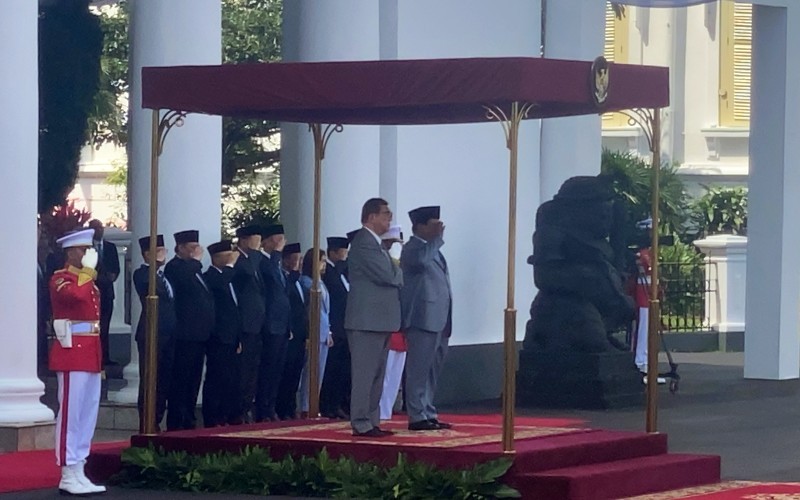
<point>89,258</point>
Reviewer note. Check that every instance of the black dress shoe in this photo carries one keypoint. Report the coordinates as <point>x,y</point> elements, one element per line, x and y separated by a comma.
<point>423,425</point>
<point>374,432</point>
<point>442,425</point>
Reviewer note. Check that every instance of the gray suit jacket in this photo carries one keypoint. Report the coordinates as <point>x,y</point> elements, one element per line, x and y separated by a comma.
<point>426,297</point>
<point>373,303</point>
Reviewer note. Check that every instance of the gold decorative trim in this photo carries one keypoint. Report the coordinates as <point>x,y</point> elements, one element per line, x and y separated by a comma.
<point>452,438</point>
<point>696,490</point>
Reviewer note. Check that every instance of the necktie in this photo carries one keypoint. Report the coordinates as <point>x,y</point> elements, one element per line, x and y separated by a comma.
<point>202,281</point>
<point>233,294</point>
<point>165,282</point>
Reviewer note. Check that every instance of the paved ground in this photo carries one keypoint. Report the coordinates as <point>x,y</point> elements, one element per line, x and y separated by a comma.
<point>754,425</point>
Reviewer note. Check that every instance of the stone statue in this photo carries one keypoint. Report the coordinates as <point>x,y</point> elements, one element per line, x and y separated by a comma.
<point>577,271</point>
<point>579,251</point>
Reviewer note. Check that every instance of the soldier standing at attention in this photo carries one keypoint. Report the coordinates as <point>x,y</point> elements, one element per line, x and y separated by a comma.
<point>77,359</point>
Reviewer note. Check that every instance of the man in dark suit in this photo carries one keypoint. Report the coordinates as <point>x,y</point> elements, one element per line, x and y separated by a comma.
<point>286,404</point>
<point>249,288</point>
<point>335,393</point>
<point>372,315</point>
<point>107,273</point>
<point>427,311</point>
<point>275,333</point>
<point>194,306</point>
<point>221,396</point>
<point>167,321</point>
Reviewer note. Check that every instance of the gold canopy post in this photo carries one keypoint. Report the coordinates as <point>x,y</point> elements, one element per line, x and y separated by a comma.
<point>159,130</point>
<point>321,136</point>
<point>649,120</point>
<point>654,320</point>
<point>510,124</point>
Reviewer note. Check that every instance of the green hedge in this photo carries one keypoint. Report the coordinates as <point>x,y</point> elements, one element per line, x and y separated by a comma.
<point>253,471</point>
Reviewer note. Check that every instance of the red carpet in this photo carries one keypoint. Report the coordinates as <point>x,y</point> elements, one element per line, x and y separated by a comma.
<point>31,470</point>
<point>730,490</point>
<point>554,458</point>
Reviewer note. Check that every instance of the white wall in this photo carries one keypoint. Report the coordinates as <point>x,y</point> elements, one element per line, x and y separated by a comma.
<point>464,168</point>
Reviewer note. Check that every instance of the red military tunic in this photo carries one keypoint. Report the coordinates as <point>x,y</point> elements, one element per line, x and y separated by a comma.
<point>644,264</point>
<point>75,297</point>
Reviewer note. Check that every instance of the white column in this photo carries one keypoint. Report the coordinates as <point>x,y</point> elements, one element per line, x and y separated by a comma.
<point>574,29</point>
<point>178,32</point>
<point>20,389</point>
<point>351,171</point>
<point>772,350</point>
<point>726,272</point>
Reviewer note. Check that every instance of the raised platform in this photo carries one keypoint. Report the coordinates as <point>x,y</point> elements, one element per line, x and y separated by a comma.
<point>554,458</point>
<point>24,437</point>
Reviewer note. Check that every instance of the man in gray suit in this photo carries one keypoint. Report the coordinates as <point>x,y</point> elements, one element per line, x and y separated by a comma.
<point>372,315</point>
<point>427,312</point>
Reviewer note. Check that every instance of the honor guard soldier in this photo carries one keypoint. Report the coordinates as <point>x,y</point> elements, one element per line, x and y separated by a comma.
<point>77,359</point>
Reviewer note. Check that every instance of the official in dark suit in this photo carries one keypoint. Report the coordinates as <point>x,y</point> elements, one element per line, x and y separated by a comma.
<point>373,313</point>
<point>249,288</point>
<point>167,321</point>
<point>334,398</point>
<point>194,306</point>
<point>286,404</point>
<point>427,312</point>
<point>275,333</point>
<point>107,273</point>
<point>221,397</point>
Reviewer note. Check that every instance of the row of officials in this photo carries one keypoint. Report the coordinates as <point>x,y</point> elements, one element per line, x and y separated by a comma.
<point>246,320</point>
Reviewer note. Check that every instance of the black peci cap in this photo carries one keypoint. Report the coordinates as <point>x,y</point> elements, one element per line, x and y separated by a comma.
<point>422,215</point>
<point>251,230</point>
<point>272,230</point>
<point>291,248</point>
<point>337,243</point>
<point>219,247</point>
<point>144,243</point>
<point>190,236</point>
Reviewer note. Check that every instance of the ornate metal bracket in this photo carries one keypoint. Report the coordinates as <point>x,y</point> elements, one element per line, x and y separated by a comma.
<point>644,118</point>
<point>170,119</point>
<point>510,123</point>
<point>322,134</point>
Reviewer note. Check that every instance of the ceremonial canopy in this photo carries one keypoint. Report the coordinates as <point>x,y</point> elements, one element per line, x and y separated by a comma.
<point>399,92</point>
<point>328,95</point>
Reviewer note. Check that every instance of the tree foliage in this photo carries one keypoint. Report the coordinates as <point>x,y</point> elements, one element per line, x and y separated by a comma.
<point>720,210</point>
<point>70,42</point>
<point>631,178</point>
<point>108,121</point>
<point>251,32</point>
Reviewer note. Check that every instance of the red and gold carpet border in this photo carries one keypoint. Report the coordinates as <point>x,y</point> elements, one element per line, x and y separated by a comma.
<point>463,434</point>
<point>731,490</point>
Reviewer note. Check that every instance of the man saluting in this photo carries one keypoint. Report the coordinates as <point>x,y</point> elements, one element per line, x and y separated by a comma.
<point>77,359</point>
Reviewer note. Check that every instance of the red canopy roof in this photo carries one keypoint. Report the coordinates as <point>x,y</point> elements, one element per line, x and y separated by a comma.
<point>399,91</point>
